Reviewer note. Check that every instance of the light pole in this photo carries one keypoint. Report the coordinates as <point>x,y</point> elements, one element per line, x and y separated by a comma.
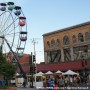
<point>31,70</point>
<point>33,41</point>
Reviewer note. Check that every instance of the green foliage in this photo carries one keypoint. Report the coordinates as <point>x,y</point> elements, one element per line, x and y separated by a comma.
<point>7,69</point>
<point>3,87</point>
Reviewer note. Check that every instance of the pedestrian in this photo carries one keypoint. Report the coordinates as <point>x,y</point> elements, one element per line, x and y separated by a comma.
<point>60,82</point>
<point>56,87</point>
<point>51,84</point>
<point>24,84</point>
<point>66,82</point>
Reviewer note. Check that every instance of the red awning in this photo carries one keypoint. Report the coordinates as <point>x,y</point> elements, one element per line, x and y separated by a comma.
<point>63,66</point>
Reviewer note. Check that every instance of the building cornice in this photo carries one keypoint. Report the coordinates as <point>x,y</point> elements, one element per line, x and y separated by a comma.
<point>68,28</point>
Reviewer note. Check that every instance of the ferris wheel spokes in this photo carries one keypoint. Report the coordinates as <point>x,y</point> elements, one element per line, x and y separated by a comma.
<point>13,30</point>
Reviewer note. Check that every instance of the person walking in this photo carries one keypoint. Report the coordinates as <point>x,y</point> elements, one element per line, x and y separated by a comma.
<point>51,84</point>
<point>24,84</point>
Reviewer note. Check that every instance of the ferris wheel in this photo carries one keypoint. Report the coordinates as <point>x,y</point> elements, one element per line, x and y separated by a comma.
<point>13,28</point>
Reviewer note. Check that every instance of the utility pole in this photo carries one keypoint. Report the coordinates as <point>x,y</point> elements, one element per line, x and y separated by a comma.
<point>34,42</point>
<point>31,70</point>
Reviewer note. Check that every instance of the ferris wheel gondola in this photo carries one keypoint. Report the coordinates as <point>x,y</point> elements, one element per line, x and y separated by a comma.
<point>13,28</point>
<point>13,31</point>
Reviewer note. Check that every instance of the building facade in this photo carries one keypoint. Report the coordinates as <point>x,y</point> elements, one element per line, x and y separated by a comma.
<point>68,44</point>
<point>24,62</point>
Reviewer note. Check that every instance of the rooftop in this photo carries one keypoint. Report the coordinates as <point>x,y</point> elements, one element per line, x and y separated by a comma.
<point>68,28</point>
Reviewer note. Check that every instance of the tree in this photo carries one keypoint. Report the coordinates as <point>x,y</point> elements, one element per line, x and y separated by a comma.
<point>7,68</point>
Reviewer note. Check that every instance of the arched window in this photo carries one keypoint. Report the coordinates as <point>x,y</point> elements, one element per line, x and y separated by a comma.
<point>48,44</point>
<point>65,40</point>
<point>74,40</point>
<point>87,36</point>
<point>52,43</point>
<point>80,37</point>
<point>58,43</point>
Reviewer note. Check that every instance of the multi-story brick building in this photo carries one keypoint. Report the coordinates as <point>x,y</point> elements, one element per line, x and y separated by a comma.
<point>68,44</point>
<point>68,47</point>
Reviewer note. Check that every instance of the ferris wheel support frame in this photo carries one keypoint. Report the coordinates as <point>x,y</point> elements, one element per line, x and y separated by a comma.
<point>15,58</point>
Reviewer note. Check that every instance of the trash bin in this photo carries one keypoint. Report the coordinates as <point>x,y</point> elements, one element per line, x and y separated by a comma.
<point>3,84</point>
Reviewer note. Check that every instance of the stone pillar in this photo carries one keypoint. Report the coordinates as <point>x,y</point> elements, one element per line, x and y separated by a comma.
<point>72,55</point>
<point>62,55</point>
<point>45,57</point>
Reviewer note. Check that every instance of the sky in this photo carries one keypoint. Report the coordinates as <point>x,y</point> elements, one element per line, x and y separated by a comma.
<point>44,16</point>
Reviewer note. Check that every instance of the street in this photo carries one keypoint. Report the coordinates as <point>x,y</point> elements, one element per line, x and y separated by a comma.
<point>26,88</point>
<point>85,87</point>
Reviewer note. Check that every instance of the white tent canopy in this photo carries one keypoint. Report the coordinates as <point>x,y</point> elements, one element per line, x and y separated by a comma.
<point>69,72</point>
<point>17,74</point>
<point>39,74</point>
<point>49,72</point>
<point>59,72</point>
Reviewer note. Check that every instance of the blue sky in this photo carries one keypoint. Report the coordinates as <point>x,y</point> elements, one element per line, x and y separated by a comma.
<point>45,16</point>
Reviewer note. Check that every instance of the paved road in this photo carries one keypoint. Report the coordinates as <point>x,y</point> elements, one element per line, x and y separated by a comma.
<point>26,89</point>
<point>85,87</point>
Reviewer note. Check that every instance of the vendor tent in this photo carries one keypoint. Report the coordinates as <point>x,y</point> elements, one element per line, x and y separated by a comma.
<point>49,72</point>
<point>59,72</point>
<point>69,72</point>
<point>39,74</point>
<point>17,74</point>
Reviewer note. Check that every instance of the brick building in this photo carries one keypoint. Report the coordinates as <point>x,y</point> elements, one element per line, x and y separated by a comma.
<point>67,48</point>
<point>68,44</point>
<point>24,62</point>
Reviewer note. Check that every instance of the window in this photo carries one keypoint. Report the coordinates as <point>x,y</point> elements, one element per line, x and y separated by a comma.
<point>87,36</point>
<point>52,43</point>
<point>58,43</point>
<point>80,37</point>
<point>48,44</point>
<point>65,40</point>
<point>74,39</point>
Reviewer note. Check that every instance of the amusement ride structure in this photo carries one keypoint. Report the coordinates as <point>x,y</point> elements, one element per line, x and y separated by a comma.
<point>13,31</point>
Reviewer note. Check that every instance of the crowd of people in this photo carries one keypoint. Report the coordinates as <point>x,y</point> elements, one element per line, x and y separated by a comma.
<point>62,82</point>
